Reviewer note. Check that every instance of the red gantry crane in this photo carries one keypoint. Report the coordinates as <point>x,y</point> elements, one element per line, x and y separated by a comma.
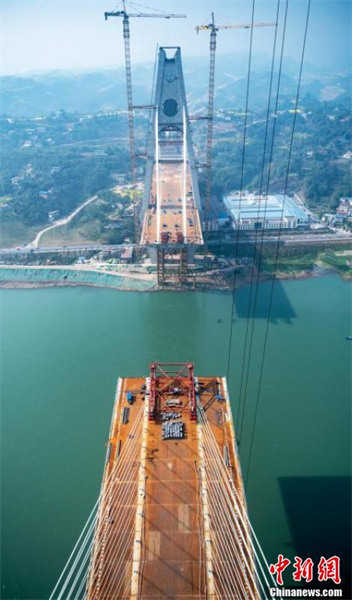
<point>210,118</point>
<point>126,37</point>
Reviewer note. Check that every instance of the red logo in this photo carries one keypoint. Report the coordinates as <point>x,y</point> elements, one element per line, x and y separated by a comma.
<point>303,570</point>
<point>328,568</point>
<point>281,565</point>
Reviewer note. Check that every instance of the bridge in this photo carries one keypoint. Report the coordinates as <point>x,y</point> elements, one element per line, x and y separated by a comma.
<point>171,520</point>
<point>171,209</point>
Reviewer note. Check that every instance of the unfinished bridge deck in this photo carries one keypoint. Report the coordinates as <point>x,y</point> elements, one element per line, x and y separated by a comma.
<point>152,538</point>
<point>175,212</point>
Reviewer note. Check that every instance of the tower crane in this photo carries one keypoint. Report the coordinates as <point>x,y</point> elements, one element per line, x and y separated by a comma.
<point>210,117</point>
<point>126,37</point>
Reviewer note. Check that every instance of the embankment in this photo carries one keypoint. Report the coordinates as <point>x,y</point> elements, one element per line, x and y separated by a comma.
<point>30,277</point>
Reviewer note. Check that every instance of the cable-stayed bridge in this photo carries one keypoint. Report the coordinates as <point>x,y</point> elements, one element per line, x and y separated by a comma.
<point>170,213</point>
<point>171,520</point>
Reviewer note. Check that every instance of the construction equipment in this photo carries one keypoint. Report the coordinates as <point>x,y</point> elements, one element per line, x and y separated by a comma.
<point>210,117</point>
<point>126,37</point>
<point>173,430</point>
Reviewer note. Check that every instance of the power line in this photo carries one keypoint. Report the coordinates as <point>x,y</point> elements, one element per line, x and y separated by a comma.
<point>241,183</point>
<point>256,233</point>
<point>267,190</point>
<point>278,242</point>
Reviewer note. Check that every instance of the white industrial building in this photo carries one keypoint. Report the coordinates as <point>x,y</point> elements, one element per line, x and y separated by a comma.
<point>275,211</point>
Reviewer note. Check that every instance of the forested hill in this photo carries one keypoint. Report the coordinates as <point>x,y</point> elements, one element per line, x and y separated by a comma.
<point>93,91</point>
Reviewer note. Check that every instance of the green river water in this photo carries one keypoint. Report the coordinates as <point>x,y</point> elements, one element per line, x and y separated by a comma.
<point>62,350</point>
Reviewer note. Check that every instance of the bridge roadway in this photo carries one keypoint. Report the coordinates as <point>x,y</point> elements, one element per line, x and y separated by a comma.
<point>154,538</point>
<point>172,210</point>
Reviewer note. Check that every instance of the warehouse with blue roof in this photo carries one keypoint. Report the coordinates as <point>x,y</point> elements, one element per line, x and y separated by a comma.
<point>275,211</point>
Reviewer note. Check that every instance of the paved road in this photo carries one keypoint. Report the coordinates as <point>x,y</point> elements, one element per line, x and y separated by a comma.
<point>63,249</point>
<point>304,238</point>
<point>301,238</point>
<point>35,242</point>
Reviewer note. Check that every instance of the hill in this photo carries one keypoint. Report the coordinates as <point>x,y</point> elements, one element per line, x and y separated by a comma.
<point>104,90</point>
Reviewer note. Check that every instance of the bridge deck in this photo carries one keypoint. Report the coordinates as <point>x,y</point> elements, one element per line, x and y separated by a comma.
<point>150,536</point>
<point>171,178</point>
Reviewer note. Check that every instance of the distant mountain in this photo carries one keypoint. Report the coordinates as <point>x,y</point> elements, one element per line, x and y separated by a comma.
<point>104,90</point>
<point>73,92</point>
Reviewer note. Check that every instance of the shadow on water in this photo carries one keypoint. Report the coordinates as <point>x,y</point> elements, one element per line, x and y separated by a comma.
<point>281,308</point>
<point>319,515</point>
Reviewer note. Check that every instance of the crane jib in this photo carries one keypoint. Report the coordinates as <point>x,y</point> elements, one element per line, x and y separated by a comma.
<point>122,13</point>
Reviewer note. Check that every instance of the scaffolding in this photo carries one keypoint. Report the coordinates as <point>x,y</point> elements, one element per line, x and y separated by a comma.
<point>168,383</point>
<point>169,270</point>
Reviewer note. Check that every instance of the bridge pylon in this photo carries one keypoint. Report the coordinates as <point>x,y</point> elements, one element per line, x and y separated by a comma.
<point>171,208</point>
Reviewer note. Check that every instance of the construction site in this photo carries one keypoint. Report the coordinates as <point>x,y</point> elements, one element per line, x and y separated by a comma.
<point>171,519</point>
<point>169,218</point>
<point>160,531</point>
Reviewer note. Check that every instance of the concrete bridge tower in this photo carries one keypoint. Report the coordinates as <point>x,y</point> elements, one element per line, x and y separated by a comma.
<point>171,208</point>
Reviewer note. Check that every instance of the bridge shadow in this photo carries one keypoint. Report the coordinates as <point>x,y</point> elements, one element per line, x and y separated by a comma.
<point>281,308</point>
<point>318,511</point>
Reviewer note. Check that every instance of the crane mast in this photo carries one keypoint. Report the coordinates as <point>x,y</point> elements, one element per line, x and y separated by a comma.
<point>130,108</point>
<point>127,45</point>
<point>210,116</point>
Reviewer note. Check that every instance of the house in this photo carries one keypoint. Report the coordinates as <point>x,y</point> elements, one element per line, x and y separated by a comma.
<point>127,255</point>
<point>344,209</point>
<point>53,215</point>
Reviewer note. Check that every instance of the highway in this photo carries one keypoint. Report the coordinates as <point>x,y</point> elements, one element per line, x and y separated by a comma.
<point>290,239</point>
<point>297,238</point>
<point>64,249</point>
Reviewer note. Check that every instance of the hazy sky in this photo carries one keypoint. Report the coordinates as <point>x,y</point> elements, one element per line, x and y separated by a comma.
<point>61,34</point>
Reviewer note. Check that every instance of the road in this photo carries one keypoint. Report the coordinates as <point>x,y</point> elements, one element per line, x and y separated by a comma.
<point>65,221</point>
<point>304,238</point>
<point>297,238</point>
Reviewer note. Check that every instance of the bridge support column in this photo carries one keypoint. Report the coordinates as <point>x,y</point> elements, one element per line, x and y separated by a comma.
<point>160,265</point>
<point>183,265</point>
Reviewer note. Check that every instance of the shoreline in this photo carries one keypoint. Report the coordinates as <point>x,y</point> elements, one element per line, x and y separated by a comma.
<point>29,277</point>
<point>34,277</point>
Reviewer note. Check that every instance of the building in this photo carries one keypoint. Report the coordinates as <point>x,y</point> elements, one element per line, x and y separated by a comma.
<point>338,219</point>
<point>347,155</point>
<point>344,210</point>
<point>120,178</point>
<point>127,255</point>
<point>276,211</point>
<point>328,218</point>
<point>217,217</point>
<point>53,215</point>
<point>214,222</point>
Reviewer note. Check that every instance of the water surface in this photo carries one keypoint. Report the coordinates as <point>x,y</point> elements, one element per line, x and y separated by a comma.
<point>61,353</point>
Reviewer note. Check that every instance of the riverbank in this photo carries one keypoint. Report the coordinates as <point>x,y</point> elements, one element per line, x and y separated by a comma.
<point>19,276</point>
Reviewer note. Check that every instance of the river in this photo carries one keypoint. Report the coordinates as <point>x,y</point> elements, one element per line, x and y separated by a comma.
<point>62,350</point>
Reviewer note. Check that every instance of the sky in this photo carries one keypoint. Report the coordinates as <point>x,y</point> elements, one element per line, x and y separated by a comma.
<point>39,35</point>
